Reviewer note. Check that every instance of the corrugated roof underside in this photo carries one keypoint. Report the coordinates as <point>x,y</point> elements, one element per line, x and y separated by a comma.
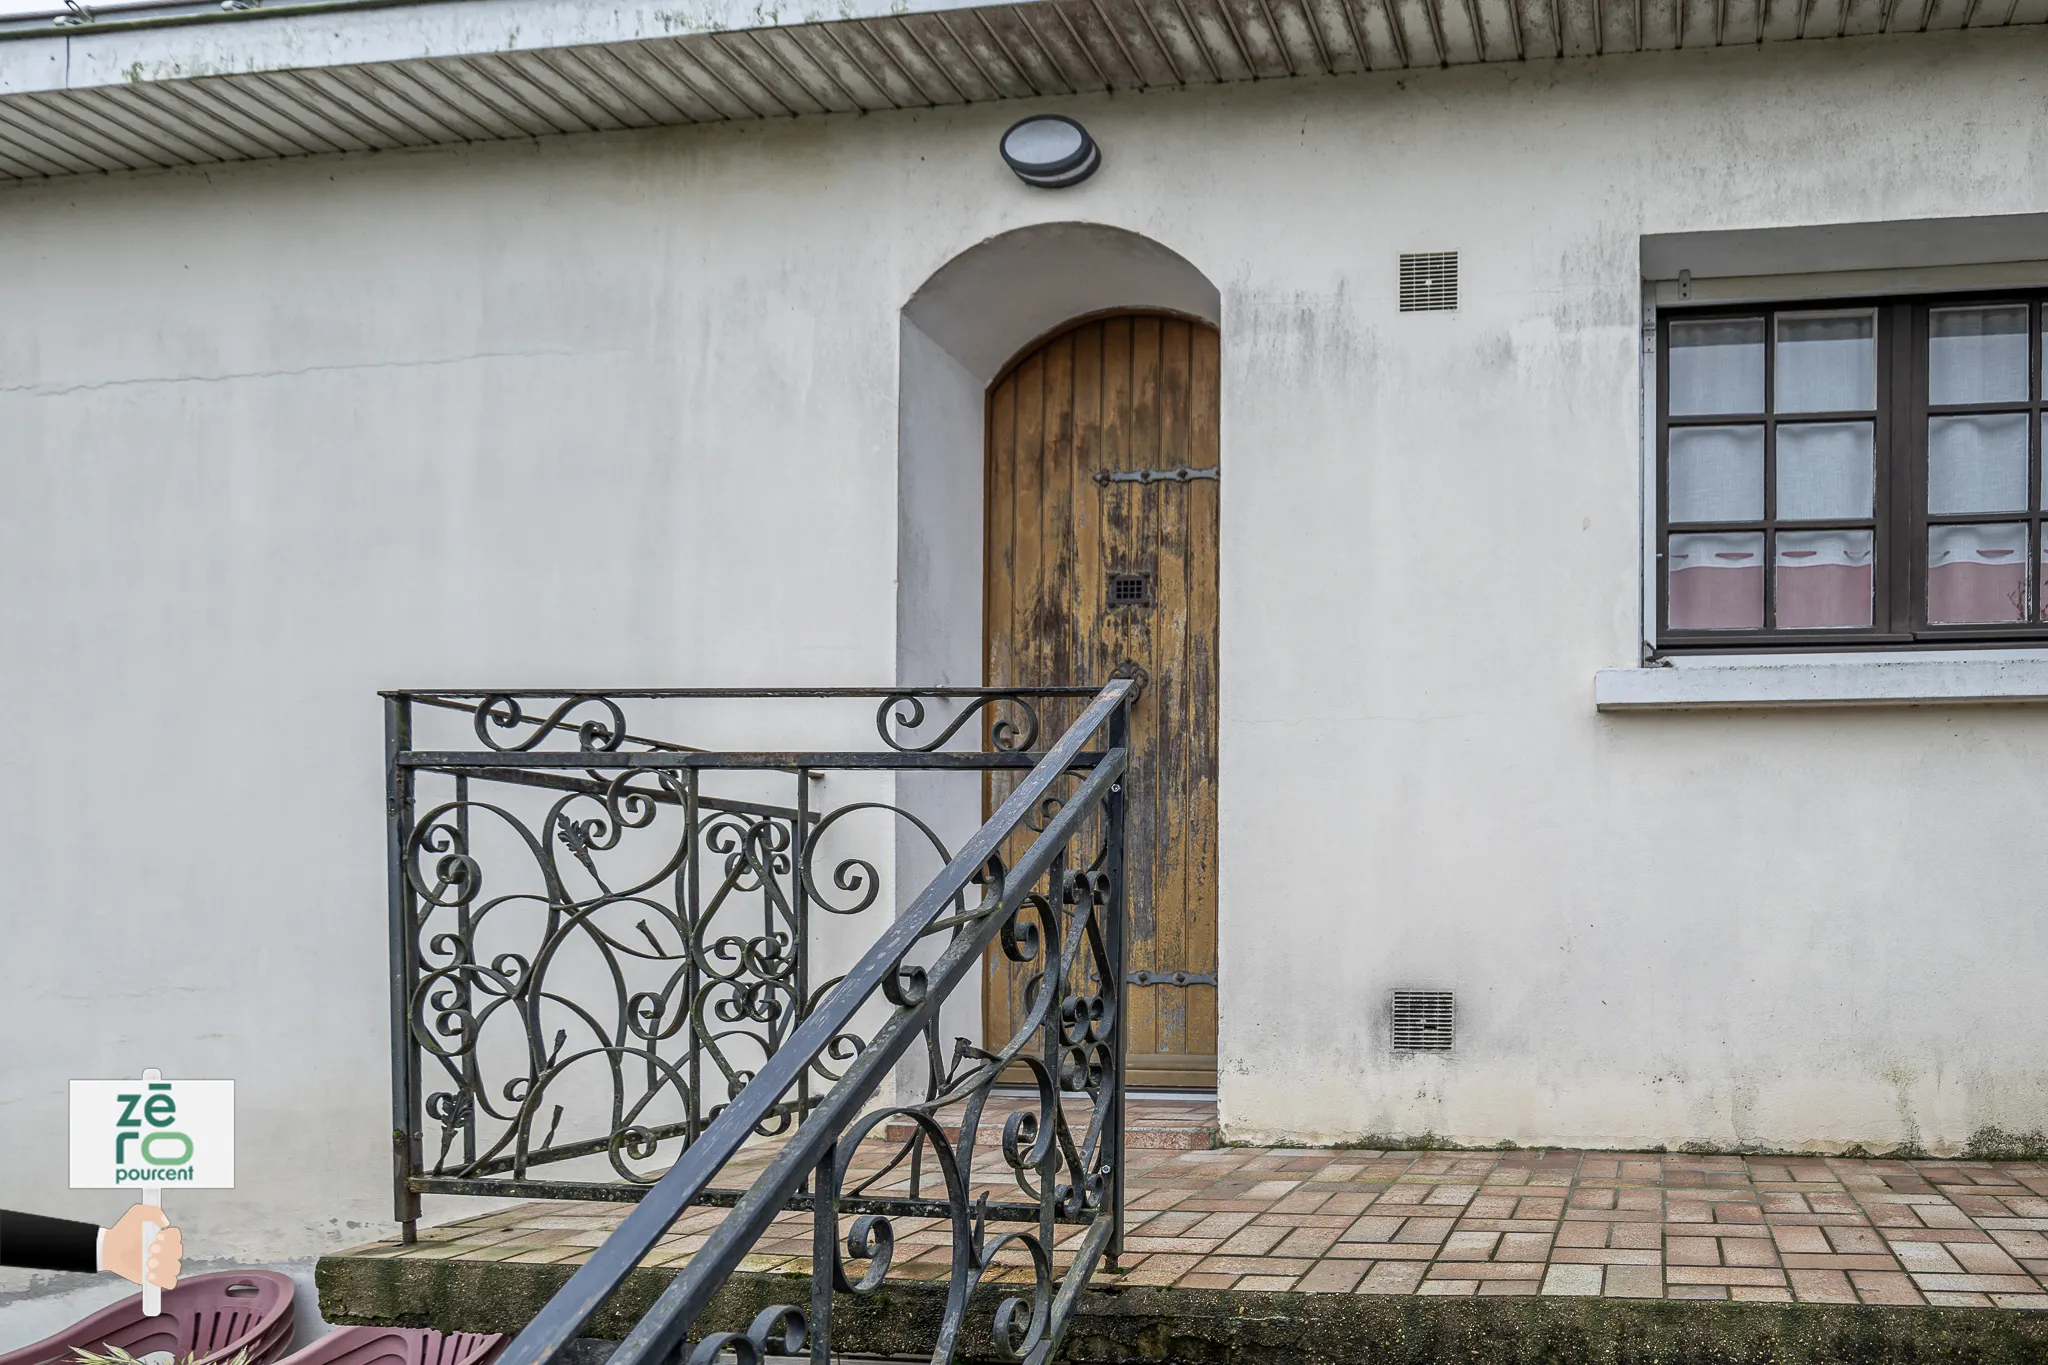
<point>1037,48</point>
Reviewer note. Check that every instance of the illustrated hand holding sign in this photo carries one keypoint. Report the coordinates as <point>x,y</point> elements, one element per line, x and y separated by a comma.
<point>148,1134</point>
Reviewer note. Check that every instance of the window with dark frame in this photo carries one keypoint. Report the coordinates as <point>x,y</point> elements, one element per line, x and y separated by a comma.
<point>1850,475</point>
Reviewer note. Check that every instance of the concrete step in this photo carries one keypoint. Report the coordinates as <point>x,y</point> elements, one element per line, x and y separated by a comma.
<point>1132,1325</point>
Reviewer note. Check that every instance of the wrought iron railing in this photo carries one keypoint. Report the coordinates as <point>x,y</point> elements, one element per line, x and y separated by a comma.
<point>621,933</point>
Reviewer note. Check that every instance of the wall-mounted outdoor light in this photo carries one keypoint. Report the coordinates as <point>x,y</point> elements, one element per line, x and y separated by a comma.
<point>1050,151</point>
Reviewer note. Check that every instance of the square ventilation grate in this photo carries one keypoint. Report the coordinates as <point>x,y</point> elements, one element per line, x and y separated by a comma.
<point>1429,282</point>
<point>1424,1021</point>
<point>1130,589</point>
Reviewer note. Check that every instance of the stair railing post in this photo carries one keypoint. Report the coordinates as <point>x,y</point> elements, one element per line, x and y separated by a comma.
<point>1113,833</point>
<point>405,1058</point>
<point>824,1243</point>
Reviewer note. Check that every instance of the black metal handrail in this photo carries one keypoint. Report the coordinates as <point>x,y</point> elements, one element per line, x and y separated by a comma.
<point>817,1075</point>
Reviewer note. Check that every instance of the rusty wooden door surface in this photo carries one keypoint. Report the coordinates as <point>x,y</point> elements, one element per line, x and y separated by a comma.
<point>1086,572</point>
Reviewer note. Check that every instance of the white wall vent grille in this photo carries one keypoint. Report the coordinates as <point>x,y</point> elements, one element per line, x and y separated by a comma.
<point>1424,1021</point>
<point>1429,282</point>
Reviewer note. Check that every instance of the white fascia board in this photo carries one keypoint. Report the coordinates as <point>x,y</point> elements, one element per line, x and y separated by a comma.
<point>1806,682</point>
<point>325,36</point>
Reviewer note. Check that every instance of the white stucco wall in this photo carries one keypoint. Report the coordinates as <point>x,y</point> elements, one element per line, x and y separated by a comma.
<point>624,410</point>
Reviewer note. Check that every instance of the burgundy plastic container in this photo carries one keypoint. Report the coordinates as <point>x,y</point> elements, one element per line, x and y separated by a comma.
<point>210,1317</point>
<point>398,1346</point>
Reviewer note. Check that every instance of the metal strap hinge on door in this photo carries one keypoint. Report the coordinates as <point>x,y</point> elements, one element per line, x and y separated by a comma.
<point>1178,474</point>
<point>1172,978</point>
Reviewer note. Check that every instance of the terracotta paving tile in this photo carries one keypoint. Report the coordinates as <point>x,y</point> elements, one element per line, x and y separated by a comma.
<point>1269,1283</point>
<point>1372,1228</point>
<point>1793,1260</point>
<point>1978,1284</point>
<point>2019,1243</point>
<point>1255,1240</point>
<point>1449,1288</point>
<point>1801,1240</point>
<point>1255,1265</point>
<point>1702,1274</point>
<point>1523,1246</point>
<point>1382,1251</point>
<point>1160,1270</point>
<point>1391,1277</point>
<point>1306,1242</point>
<point>1468,1246</point>
<point>1747,1251</point>
<point>1634,1282</point>
<point>1332,1277</point>
<point>1219,1224</point>
<point>1692,1251</point>
<point>1604,1256</point>
<point>1336,1222</point>
<point>1202,1245</point>
<point>1888,1287</point>
<point>1490,1270</point>
<point>1821,1286</point>
<point>1573,1280</point>
<point>1929,1257</point>
<point>1984,1260</point>
<point>1431,1231</point>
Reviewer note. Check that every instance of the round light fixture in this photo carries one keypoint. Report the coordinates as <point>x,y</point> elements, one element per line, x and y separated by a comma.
<point>1050,151</point>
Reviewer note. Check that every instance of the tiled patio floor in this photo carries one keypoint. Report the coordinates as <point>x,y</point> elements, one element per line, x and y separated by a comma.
<point>1769,1229</point>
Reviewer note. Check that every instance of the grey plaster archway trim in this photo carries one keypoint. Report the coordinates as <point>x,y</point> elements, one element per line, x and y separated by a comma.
<point>992,300</point>
<point>959,330</point>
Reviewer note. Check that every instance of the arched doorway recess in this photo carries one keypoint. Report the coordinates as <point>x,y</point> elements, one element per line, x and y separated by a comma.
<point>1101,496</point>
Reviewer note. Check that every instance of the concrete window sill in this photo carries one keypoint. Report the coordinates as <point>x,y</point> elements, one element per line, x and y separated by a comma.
<point>1722,685</point>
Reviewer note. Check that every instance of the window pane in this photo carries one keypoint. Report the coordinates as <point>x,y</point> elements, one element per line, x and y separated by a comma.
<point>1977,463</point>
<point>1976,574</point>
<point>1717,473</point>
<point>1826,470</point>
<point>1827,362</point>
<point>1717,581</point>
<point>1977,355</point>
<point>2041,583</point>
<point>1824,579</point>
<point>1717,366</point>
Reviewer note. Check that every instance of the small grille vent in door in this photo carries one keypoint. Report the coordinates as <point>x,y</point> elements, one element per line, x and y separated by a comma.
<point>1424,1021</point>
<point>1429,282</point>
<point>1130,589</point>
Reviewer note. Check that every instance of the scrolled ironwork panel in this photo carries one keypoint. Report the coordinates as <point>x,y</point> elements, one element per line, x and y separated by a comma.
<point>617,963</point>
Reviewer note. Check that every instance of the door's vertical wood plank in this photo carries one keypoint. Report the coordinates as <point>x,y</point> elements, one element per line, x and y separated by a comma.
<point>1170,684</point>
<point>1204,505</point>
<point>1115,527</point>
<point>1088,615</point>
<point>1123,526</point>
<point>999,630</point>
<point>1139,554</point>
<point>1057,607</point>
<point>1028,581</point>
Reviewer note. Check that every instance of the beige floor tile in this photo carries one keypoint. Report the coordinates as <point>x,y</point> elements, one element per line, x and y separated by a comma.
<point>1575,1280</point>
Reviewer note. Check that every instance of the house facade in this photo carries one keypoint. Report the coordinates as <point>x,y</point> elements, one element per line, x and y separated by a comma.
<point>1627,621</point>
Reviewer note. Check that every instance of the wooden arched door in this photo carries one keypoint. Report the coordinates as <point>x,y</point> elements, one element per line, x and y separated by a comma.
<point>1101,548</point>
